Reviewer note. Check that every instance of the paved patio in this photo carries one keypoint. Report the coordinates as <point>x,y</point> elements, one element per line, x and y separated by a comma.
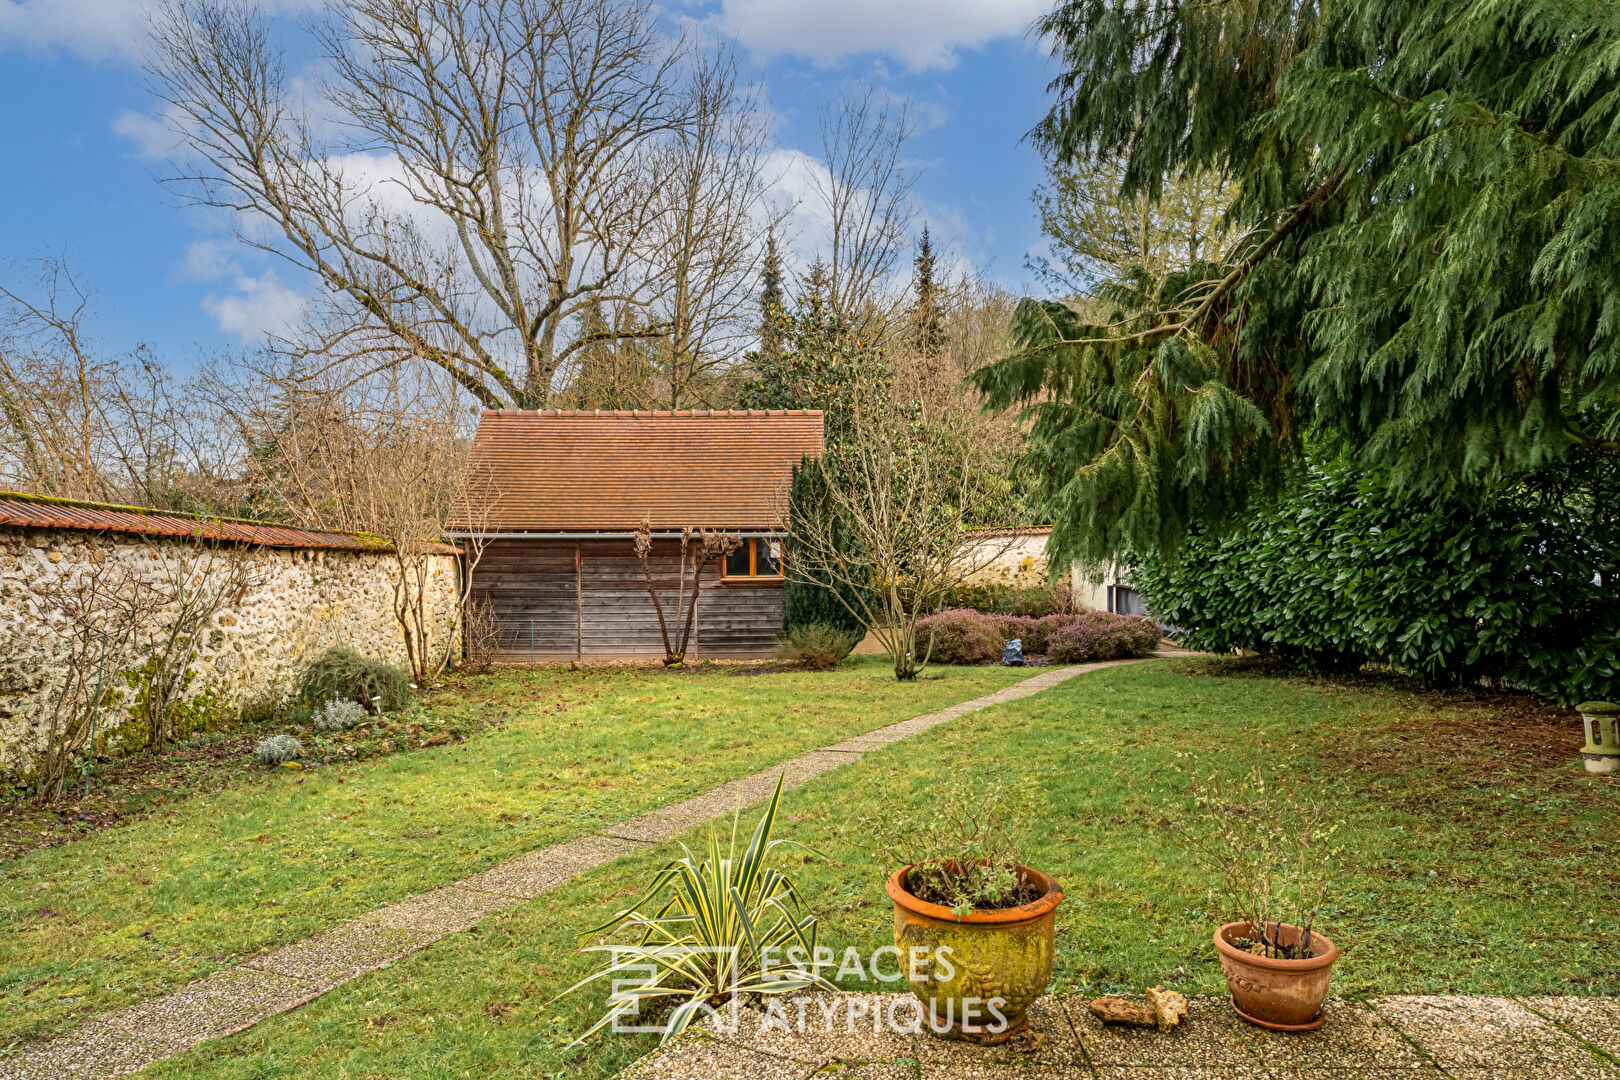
<point>237,998</point>
<point>1392,1038</point>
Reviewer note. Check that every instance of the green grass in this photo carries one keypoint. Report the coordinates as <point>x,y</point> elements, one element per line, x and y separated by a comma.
<point>129,912</point>
<point>1487,795</point>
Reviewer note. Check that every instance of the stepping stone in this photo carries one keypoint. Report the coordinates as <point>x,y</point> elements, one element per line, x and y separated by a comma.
<point>209,1008</point>
<point>341,953</point>
<point>96,1050</point>
<point>1485,1033</point>
<point>527,876</point>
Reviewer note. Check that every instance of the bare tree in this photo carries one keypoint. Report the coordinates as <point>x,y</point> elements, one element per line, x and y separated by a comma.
<point>901,490</point>
<point>469,175</point>
<point>710,547</point>
<point>708,243</point>
<point>384,454</point>
<point>91,615</point>
<point>77,423</point>
<point>864,194</point>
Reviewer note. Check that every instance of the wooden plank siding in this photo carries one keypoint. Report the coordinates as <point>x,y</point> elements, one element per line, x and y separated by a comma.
<point>596,603</point>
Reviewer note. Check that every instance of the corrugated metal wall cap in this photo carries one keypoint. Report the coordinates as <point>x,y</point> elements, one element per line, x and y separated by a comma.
<point>649,414</point>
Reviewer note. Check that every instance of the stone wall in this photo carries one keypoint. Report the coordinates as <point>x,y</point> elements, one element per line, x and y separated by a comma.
<point>300,602</point>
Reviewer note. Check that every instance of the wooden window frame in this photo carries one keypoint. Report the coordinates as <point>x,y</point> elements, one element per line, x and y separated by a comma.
<point>752,577</point>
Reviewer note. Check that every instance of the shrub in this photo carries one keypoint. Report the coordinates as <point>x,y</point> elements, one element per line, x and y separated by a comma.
<point>341,672</point>
<point>1099,635</point>
<point>959,636</point>
<point>277,749</point>
<point>709,930</point>
<point>339,714</point>
<point>1517,585</point>
<point>817,646</point>
<point>1031,601</point>
<point>1024,628</point>
<point>808,599</point>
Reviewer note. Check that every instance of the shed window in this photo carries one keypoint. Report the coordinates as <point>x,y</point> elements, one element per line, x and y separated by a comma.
<point>757,558</point>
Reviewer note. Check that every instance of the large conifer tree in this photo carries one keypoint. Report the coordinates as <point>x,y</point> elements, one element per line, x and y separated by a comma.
<point>1427,264</point>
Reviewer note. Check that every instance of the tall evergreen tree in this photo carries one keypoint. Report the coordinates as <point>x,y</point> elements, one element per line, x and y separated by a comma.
<point>927,319</point>
<point>1429,200</point>
<point>772,300</point>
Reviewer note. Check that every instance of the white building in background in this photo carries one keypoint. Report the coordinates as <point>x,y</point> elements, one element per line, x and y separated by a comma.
<point>1021,561</point>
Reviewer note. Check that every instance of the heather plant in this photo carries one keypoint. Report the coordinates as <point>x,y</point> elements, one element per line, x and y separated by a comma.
<point>959,636</point>
<point>278,749</point>
<point>1024,628</point>
<point>1100,635</point>
<point>339,714</point>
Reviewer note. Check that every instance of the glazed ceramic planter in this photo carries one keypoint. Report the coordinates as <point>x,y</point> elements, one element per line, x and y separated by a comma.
<point>1001,958</point>
<point>1283,995</point>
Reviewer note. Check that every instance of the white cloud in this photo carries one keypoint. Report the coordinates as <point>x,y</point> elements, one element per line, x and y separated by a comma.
<point>919,33</point>
<point>258,306</point>
<point>155,138</point>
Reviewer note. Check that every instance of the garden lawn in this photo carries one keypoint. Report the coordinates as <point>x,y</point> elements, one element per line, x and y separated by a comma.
<point>1479,859</point>
<point>130,912</point>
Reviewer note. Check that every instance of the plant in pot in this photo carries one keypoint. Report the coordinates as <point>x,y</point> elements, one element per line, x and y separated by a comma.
<point>1272,854</point>
<point>973,924</point>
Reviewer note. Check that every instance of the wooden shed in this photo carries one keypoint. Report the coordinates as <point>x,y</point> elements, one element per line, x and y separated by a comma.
<point>567,491</point>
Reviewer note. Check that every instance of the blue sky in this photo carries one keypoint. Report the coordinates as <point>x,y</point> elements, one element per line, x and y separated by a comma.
<point>77,177</point>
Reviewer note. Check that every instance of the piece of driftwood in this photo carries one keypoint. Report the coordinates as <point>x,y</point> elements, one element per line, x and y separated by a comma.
<point>1159,1008</point>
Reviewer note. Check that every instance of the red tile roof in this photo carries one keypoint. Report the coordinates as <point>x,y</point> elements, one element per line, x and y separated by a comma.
<point>562,470</point>
<point>20,511</point>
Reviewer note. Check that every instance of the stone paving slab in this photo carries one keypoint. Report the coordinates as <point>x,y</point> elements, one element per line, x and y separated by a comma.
<point>527,876</point>
<point>1597,1020</point>
<point>339,954</point>
<point>1211,1037</point>
<point>1397,1038</point>
<point>1484,1033</point>
<point>218,1005</point>
<point>959,1071</point>
<point>95,1050</point>
<point>701,1058</point>
<point>1224,1072</point>
<point>1354,1037</point>
<point>444,911</point>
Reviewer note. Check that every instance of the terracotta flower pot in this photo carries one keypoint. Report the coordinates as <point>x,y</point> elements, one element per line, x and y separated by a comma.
<point>996,958</point>
<point>1283,995</point>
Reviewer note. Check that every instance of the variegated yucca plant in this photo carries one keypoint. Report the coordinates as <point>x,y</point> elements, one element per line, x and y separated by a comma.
<point>721,924</point>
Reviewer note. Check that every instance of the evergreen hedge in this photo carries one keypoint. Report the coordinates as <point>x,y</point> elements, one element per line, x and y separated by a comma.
<point>1518,586</point>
